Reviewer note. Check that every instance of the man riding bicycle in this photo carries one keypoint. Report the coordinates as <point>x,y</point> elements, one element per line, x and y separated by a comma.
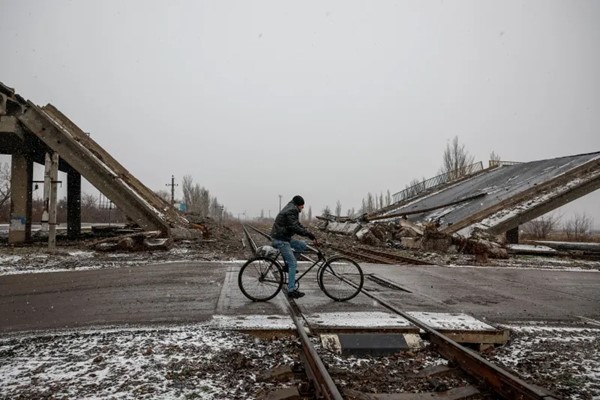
<point>286,225</point>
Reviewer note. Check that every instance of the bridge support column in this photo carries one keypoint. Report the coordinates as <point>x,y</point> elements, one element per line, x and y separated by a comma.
<point>73,204</point>
<point>21,179</point>
<point>512,235</point>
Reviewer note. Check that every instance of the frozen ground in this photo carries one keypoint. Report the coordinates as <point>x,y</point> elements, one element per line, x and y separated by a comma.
<point>563,359</point>
<point>37,259</point>
<point>183,362</point>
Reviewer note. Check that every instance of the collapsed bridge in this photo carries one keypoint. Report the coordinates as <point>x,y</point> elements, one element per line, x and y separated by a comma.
<point>496,200</point>
<point>44,135</point>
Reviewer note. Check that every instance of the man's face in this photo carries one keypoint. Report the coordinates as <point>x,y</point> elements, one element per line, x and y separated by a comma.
<point>300,208</point>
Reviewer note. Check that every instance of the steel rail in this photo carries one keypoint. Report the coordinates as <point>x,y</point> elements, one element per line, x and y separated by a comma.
<point>502,382</point>
<point>317,372</point>
<point>394,256</point>
<point>323,383</point>
<point>249,239</point>
<point>378,256</point>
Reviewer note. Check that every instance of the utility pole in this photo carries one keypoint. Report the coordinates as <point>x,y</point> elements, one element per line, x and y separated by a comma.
<point>279,202</point>
<point>172,184</point>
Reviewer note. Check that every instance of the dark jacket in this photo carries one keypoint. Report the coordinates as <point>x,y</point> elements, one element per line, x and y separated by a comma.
<point>287,224</point>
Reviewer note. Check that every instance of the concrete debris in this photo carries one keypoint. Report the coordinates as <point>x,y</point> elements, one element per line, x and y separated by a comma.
<point>186,234</point>
<point>345,228</point>
<point>139,241</point>
<point>405,234</point>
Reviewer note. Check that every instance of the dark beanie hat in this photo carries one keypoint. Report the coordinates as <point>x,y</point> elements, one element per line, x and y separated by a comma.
<point>298,200</point>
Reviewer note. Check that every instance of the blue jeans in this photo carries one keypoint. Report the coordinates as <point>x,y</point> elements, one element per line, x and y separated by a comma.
<point>287,250</point>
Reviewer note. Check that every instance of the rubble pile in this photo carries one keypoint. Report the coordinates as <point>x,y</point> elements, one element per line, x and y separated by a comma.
<point>200,229</point>
<point>404,234</point>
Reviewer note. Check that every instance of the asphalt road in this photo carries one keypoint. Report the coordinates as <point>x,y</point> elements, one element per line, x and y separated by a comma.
<point>192,292</point>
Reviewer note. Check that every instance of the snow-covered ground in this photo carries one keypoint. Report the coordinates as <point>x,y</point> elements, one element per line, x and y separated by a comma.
<point>197,361</point>
<point>183,362</point>
<point>564,359</point>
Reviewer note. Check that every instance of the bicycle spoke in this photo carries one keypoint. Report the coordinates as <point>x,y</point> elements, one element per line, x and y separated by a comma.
<point>341,279</point>
<point>260,279</point>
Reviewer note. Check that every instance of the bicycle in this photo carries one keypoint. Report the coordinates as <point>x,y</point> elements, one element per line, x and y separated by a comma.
<point>262,277</point>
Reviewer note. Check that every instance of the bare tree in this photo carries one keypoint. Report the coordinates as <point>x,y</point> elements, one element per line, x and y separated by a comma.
<point>456,159</point>
<point>541,227</point>
<point>326,212</point>
<point>4,183</point>
<point>494,159</point>
<point>198,199</point>
<point>89,208</point>
<point>165,195</point>
<point>370,202</point>
<point>415,187</point>
<point>338,209</point>
<point>579,227</point>
<point>309,213</point>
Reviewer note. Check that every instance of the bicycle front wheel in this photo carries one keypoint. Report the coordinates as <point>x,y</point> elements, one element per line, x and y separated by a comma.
<point>341,278</point>
<point>260,279</point>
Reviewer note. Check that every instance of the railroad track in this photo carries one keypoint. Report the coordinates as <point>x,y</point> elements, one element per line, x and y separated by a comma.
<point>489,375</point>
<point>491,378</point>
<point>379,256</point>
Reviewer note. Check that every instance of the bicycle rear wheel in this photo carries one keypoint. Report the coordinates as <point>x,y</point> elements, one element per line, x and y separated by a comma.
<point>260,279</point>
<point>341,278</point>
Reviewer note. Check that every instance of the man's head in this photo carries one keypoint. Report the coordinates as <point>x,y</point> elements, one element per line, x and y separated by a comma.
<point>298,202</point>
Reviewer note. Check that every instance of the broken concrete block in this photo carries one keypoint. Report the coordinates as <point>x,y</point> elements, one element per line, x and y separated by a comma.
<point>365,236</point>
<point>406,224</point>
<point>344,228</point>
<point>436,243</point>
<point>410,242</point>
<point>126,243</point>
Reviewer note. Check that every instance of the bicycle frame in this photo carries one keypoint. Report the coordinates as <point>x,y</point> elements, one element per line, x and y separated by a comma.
<point>321,260</point>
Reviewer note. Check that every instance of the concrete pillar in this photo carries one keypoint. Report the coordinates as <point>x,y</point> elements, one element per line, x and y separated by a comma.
<point>73,204</point>
<point>21,179</point>
<point>53,201</point>
<point>512,235</point>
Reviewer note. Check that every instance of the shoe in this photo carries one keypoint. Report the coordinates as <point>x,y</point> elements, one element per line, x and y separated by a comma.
<point>295,294</point>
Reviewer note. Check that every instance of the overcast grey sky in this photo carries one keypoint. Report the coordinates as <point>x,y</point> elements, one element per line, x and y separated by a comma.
<point>328,99</point>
